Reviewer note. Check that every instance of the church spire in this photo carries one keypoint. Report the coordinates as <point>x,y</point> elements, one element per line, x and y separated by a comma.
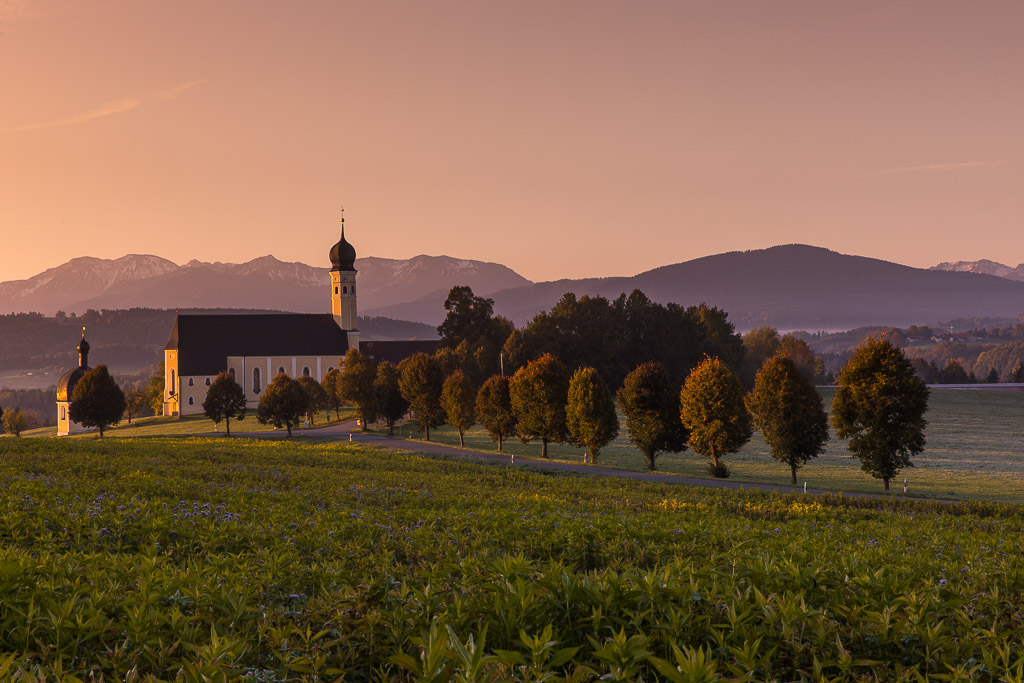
<point>83,351</point>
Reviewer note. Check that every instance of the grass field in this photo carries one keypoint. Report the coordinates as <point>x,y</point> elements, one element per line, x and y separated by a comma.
<point>975,449</point>
<point>191,425</point>
<point>199,559</point>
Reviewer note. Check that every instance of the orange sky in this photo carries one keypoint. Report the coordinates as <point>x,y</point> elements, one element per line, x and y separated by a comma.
<point>565,139</point>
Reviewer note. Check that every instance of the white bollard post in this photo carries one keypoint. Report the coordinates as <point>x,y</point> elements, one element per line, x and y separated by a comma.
<point>350,436</point>
<point>805,487</point>
<point>904,486</point>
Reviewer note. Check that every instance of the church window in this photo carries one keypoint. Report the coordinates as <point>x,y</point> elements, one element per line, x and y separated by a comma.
<point>231,371</point>
<point>330,368</point>
<point>280,369</point>
<point>190,382</point>
<point>207,381</point>
<point>353,289</point>
<point>345,289</point>
<point>191,401</point>
<point>172,382</point>
<point>335,289</point>
<point>256,381</point>
<point>63,412</point>
<point>305,371</point>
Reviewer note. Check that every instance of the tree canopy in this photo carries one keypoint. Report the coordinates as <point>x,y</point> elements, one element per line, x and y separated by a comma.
<point>650,404</point>
<point>225,399</point>
<point>97,401</point>
<point>590,413</point>
<point>539,392</point>
<point>316,398</point>
<point>879,405</point>
<point>282,404</point>
<point>712,409</point>
<point>494,409</point>
<point>390,403</point>
<point>470,323</point>
<point>458,400</point>
<point>789,412</point>
<point>421,381</point>
<point>355,384</point>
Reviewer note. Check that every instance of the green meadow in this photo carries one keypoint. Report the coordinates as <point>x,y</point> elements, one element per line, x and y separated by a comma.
<point>975,450</point>
<point>213,559</point>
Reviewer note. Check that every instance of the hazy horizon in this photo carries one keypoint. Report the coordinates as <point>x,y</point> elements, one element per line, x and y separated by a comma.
<point>568,140</point>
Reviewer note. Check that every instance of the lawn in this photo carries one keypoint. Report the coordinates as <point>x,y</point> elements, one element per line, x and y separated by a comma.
<point>214,559</point>
<point>975,449</point>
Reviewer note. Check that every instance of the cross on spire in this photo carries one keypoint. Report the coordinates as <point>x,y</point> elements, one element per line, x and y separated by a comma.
<point>343,222</point>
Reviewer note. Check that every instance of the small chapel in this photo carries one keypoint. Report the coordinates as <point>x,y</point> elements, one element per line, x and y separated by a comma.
<point>253,349</point>
<point>66,389</point>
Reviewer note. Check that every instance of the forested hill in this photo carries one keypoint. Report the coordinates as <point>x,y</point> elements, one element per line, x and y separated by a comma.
<point>788,287</point>
<point>129,338</point>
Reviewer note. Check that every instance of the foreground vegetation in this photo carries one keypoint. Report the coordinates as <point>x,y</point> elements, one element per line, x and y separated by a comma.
<point>191,558</point>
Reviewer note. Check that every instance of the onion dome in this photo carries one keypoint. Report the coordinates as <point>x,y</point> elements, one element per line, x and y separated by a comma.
<point>66,385</point>
<point>343,254</point>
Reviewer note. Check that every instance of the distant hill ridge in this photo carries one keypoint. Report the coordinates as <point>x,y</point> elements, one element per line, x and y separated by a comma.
<point>791,286</point>
<point>139,280</point>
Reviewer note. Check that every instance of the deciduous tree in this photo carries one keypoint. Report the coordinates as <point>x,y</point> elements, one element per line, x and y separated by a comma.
<point>759,345</point>
<point>712,409</point>
<point>651,407</point>
<point>458,400</point>
<point>356,385</point>
<point>494,409</point>
<point>879,406</point>
<point>390,402</point>
<point>155,389</point>
<point>421,381</point>
<point>136,400</point>
<point>316,397</point>
<point>282,404</point>
<point>332,387</point>
<point>225,399</point>
<point>590,413</point>
<point>789,411</point>
<point>539,392</point>
<point>15,421</point>
<point>97,400</point>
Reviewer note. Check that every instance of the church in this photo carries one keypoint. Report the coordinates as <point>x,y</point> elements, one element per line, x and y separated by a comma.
<point>253,349</point>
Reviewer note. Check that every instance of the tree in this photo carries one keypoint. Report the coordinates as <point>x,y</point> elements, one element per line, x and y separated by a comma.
<point>136,400</point>
<point>15,422</point>
<point>803,358</point>
<point>651,408</point>
<point>1017,376</point>
<point>155,389</point>
<point>332,388</point>
<point>225,399</point>
<point>759,345</point>
<point>97,400</point>
<point>992,377</point>
<point>390,403</point>
<point>282,404</point>
<point>421,381</point>
<point>457,398</point>
<point>494,409</point>
<point>712,409</point>
<point>590,413</point>
<point>316,397</point>
<point>539,392</point>
<point>470,322</point>
<point>356,385</point>
<point>788,410</point>
<point>879,406</point>
<point>954,373</point>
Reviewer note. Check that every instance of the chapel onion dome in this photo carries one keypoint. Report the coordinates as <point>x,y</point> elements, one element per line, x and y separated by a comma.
<point>66,385</point>
<point>343,254</point>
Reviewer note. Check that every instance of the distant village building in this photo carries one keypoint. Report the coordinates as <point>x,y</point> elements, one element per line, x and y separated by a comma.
<point>256,348</point>
<point>66,389</point>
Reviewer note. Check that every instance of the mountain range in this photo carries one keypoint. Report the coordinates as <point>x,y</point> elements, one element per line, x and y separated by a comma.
<point>790,287</point>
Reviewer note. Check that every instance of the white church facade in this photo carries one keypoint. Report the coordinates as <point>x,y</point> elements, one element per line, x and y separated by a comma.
<point>255,348</point>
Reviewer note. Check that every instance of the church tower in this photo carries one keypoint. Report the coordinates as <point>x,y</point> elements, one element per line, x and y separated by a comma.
<point>66,389</point>
<point>343,287</point>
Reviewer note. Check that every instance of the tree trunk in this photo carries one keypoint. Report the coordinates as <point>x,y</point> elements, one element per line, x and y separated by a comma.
<point>227,425</point>
<point>427,428</point>
<point>101,435</point>
<point>714,458</point>
<point>885,481</point>
<point>793,469</point>
<point>288,426</point>
<point>366,427</point>
<point>593,457</point>
<point>544,448</point>
<point>462,442</point>
<point>391,427</point>
<point>650,461</point>
<point>499,443</point>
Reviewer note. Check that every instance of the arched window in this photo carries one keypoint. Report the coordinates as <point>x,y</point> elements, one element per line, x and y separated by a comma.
<point>280,369</point>
<point>344,290</point>
<point>256,387</point>
<point>335,289</point>
<point>330,368</point>
<point>305,371</point>
<point>171,392</point>
<point>190,382</point>
<point>191,401</point>
<point>353,288</point>
<point>231,371</point>
<point>207,381</point>
<point>63,412</point>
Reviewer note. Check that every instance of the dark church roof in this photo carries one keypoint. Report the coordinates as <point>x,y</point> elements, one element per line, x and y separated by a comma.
<point>398,350</point>
<point>204,342</point>
<point>66,385</point>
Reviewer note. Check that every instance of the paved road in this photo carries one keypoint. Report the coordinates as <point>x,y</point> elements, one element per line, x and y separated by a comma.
<point>348,431</point>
